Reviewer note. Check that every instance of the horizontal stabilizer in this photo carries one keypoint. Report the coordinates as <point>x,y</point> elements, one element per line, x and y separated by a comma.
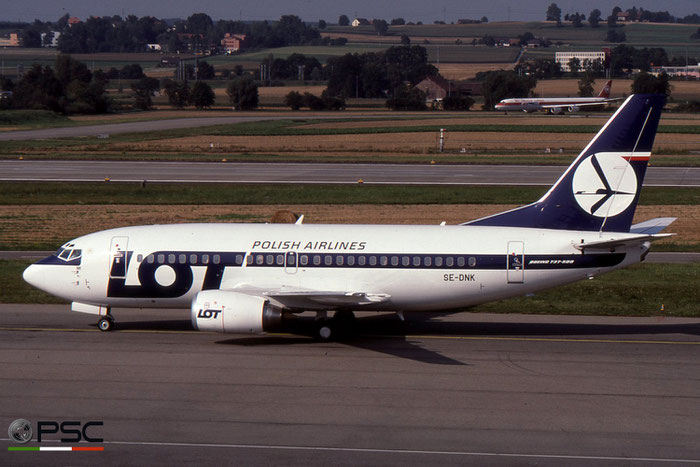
<point>652,226</point>
<point>615,243</point>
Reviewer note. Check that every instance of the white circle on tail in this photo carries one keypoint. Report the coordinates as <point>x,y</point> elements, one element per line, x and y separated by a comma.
<point>165,275</point>
<point>604,184</point>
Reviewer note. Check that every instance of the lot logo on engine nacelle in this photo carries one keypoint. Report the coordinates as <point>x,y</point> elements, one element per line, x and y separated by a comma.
<point>208,313</point>
<point>604,184</point>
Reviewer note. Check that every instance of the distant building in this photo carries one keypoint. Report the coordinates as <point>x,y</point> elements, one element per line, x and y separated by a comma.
<point>360,22</point>
<point>73,20</point>
<point>154,47</point>
<point>563,58</point>
<point>54,39</point>
<point>623,16</point>
<point>437,88</point>
<point>12,40</point>
<point>232,42</point>
<point>688,72</point>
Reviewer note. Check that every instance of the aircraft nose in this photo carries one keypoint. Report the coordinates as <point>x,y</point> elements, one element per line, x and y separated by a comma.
<point>32,275</point>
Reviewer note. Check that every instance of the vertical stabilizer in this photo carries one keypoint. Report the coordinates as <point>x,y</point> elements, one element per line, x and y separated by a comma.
<point>600,189</point>
<point>605,92</point>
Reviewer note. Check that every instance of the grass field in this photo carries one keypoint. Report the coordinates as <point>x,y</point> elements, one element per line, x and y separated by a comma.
<point>637,291</point>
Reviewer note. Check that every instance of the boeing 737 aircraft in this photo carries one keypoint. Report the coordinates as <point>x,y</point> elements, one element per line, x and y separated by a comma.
<point>557,105</point>
<point>251,278</point>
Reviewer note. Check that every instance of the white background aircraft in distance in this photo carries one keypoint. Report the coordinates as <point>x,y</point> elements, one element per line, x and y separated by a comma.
<point>252,278</point>
<point>557,105</point>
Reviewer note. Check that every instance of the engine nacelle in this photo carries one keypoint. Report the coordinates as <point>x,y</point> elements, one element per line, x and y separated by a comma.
<point>574,108</point>
<point>225,311</point>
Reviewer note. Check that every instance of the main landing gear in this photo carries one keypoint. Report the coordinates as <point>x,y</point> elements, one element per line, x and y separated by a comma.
<point>342,324</point>
<point>106,323</point>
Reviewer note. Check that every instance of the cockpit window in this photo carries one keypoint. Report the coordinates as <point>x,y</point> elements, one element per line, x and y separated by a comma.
<point>68,253</point>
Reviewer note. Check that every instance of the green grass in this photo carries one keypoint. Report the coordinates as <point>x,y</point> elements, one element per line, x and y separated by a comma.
<point>155,193</point>
<point>640,290</point>
<point>33,118</point>
<point>322,53</point>
<point>636,291</point>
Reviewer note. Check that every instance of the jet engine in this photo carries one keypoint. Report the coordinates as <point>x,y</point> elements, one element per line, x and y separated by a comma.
<point>574,108</point>
<point>226,311</point>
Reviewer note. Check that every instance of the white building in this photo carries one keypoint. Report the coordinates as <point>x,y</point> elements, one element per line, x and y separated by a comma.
<point>54,39</point>
<point>563,58</point>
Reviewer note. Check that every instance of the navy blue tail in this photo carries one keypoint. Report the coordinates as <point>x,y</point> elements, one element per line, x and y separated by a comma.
<point>600,189</point>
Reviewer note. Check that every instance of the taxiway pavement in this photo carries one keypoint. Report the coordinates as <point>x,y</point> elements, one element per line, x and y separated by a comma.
<point>471,389</point>
<point>303,173</point>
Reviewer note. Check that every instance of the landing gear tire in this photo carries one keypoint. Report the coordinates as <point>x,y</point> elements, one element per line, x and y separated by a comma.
<point>106,324</point>
<point>325,332</point>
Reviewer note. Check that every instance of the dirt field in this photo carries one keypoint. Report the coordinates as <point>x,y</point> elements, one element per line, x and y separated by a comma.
<point>22,225</point>
<point>398,143</point>
<point>461,71</point>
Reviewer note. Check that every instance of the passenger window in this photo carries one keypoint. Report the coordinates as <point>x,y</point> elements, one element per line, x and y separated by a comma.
<point>139,258</point>
<point>362,260</point>
<point>161,259</point>
<point>249,259</point>
<point>405,261</point>
<point>351,260</point>
<point>171,258</point>
<point>427,261</point>
<point>182,259</point>
<point>394,260</point>
<point>438,261</point>
<point>383,260</point>
<point>193,258</point>
<point>280,260</point>
<point>303,260</point>
<point>472,261</point>
<point>339,260</point>
<point>449,261</point>
<point>269,260</point>
<point>217,259</point>
<point>317,260</point>
<point>372,260</point>
<point>328,260</point>
<point>205,259</point>
<point>259,259</point>
<point>460,261</point>
<point>416,261</point>
<point>291,260</point>
<point>239,259</point>
<point>150,259</point>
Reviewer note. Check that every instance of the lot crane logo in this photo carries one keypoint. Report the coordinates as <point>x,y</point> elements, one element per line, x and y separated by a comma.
<point>604,184</point>
<point>20,431</point>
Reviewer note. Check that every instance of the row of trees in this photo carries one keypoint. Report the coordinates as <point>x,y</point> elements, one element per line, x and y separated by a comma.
<point>553,13</point>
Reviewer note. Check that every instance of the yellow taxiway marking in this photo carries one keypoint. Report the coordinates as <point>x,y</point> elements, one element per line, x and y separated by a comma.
<point>385,336</point>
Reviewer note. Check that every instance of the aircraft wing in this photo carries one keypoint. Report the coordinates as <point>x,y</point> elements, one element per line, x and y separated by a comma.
<point>615,243</point>
<point>315,299</point>
<point>583,104</point>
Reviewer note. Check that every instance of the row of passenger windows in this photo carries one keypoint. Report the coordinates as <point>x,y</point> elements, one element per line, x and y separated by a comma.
<point>259,259</point>
<point>348,260</point>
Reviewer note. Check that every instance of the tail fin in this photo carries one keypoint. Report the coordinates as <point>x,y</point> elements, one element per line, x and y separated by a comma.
<point>605,92</point>
<point>600,189</point>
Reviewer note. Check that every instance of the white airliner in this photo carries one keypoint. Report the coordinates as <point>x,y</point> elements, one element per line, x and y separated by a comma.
<point>250,278</point>
<point>557,105</point>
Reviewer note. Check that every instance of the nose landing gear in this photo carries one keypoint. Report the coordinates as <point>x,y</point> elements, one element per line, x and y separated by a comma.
<point>106,323</point>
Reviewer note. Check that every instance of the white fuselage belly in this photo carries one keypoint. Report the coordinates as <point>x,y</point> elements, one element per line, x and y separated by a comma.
<point>482,268</point>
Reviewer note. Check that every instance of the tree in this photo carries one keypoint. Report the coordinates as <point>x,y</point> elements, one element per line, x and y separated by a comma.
<point>398,22</point>
<point>405,40</point>
<point>696,34</point>
<point>554,13</point>
<point>459,103</point>
<point>205,71</point>
<point>407,98</point>
<point>645,83</point>
<point>614,36</point>
<point>294,100</point>
<point>585,85</point>
<point>612,21</point>
<point>322,24</point>
<point>143,90</point>
<point>243,93</point>
<point>594,18</point>
<point>199,23</point>
<point>380,26</point>
<point>343,20</point>
<point>38,89</point>
<point>577,20</point>
<point>574,65</point>
<point>202,95</point>
<point>499,85</point>
<point>179,93</point>
<point>484,19</point>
